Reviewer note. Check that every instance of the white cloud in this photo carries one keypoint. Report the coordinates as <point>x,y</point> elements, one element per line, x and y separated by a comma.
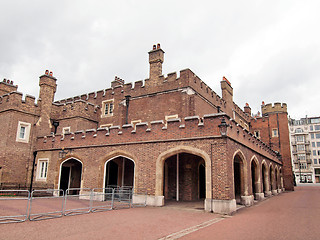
<point>267,49</point>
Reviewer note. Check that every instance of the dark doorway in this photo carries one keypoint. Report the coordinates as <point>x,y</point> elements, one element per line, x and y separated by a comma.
<point>264,178</point>
<point>254,178</point>
<point>112,174</point>
<point>271,177</point>
<point>189,182</point>
<point>119,173</point>
<point>64,182</point>
<point>70,176</point>
<point>237,179</point>
<point>202,181</point>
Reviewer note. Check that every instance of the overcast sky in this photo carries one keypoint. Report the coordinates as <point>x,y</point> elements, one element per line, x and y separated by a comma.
<point>268,50</point>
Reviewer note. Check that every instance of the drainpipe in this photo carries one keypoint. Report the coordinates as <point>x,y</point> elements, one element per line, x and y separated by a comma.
<point>32,172</point>
<point>127,107</point>
<point>211,178</point>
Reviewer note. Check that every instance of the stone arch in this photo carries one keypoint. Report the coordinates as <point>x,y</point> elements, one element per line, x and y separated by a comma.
<point>176,150</point>
<point>113,156</point>
<point>240,175</point>
<point>255,177</point>
<point>265,177</point>
<point>70,174</point>
<point>281,178</point>
<point>277,177</point>
<point>272,178</point>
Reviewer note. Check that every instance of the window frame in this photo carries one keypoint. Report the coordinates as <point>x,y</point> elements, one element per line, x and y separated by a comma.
<point>42,173</point>
<point>300,138</point>
<point>27,127</point>
<point>275,132</point>
<point>106,106</point>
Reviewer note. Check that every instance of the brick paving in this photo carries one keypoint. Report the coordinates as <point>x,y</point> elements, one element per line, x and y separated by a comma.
<point>291,215</point>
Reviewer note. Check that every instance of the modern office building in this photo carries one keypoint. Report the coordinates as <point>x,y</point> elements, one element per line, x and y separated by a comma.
<point>305,149</point>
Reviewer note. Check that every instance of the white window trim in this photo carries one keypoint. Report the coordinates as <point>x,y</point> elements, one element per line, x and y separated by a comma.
<point>26,134</point>
<point>275,135</point>
<point>103,108</point>
<point>40,160</point>
<point>66,129</point>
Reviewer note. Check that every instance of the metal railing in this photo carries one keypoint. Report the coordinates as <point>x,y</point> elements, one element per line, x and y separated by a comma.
<point>14,205</point>
<point>77,201</point>
<point>102,199</point>
<point>20,205</point>
<point>46,204</point>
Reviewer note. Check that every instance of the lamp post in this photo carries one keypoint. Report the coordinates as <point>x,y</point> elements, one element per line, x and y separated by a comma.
<point>223,127</point>
<point>63,153</point>
<point>127,107</point>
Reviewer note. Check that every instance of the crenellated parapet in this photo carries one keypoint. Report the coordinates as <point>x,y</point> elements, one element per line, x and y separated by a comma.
<point>76,108</point>
<point>157,131</point>
<point>276,108</point>
<point>15,101</point>
<point>7,86</point>
<point>173,81</point>
<point>241,113</point>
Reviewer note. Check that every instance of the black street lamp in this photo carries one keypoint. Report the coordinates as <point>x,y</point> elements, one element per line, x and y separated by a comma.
<point>63,153</point>
<point>223,127</point>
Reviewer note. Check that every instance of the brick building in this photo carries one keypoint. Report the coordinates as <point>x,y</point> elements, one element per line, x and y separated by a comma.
<point>173,136</point>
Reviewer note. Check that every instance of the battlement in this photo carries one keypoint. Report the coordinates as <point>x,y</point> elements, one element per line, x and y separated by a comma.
<point>276,108</point>
<point>14,100</point>
<point>155,131</point>
<point>6,86</point>
<point>241,113</point>
<point>78,107</point>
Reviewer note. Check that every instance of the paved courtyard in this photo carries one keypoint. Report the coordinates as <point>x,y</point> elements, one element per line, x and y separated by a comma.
<point>291,215</point>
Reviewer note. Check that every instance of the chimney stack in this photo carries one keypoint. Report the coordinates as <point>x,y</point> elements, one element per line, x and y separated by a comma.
<point>156,57</point>
<point>247,109</point>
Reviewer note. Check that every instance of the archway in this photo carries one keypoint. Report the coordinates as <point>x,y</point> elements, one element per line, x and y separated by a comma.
<point>255,178</point>
<point>119,172</point>
<point>70,175</point>
<point>184,177</point>
<point>281,179</point>
<point>239,176</point>
<point>265,187</point>
<point>272,178</point>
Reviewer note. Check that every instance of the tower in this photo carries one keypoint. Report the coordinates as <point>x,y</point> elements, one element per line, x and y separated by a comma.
<point>277,135</point>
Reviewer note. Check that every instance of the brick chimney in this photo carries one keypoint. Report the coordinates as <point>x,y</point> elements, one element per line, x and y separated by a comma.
<point>227,90</point>
<point>247,109</point>
<point>48,87</point>
<point>117,82</point>
<point>156,57</point>
<point>6,86</point>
